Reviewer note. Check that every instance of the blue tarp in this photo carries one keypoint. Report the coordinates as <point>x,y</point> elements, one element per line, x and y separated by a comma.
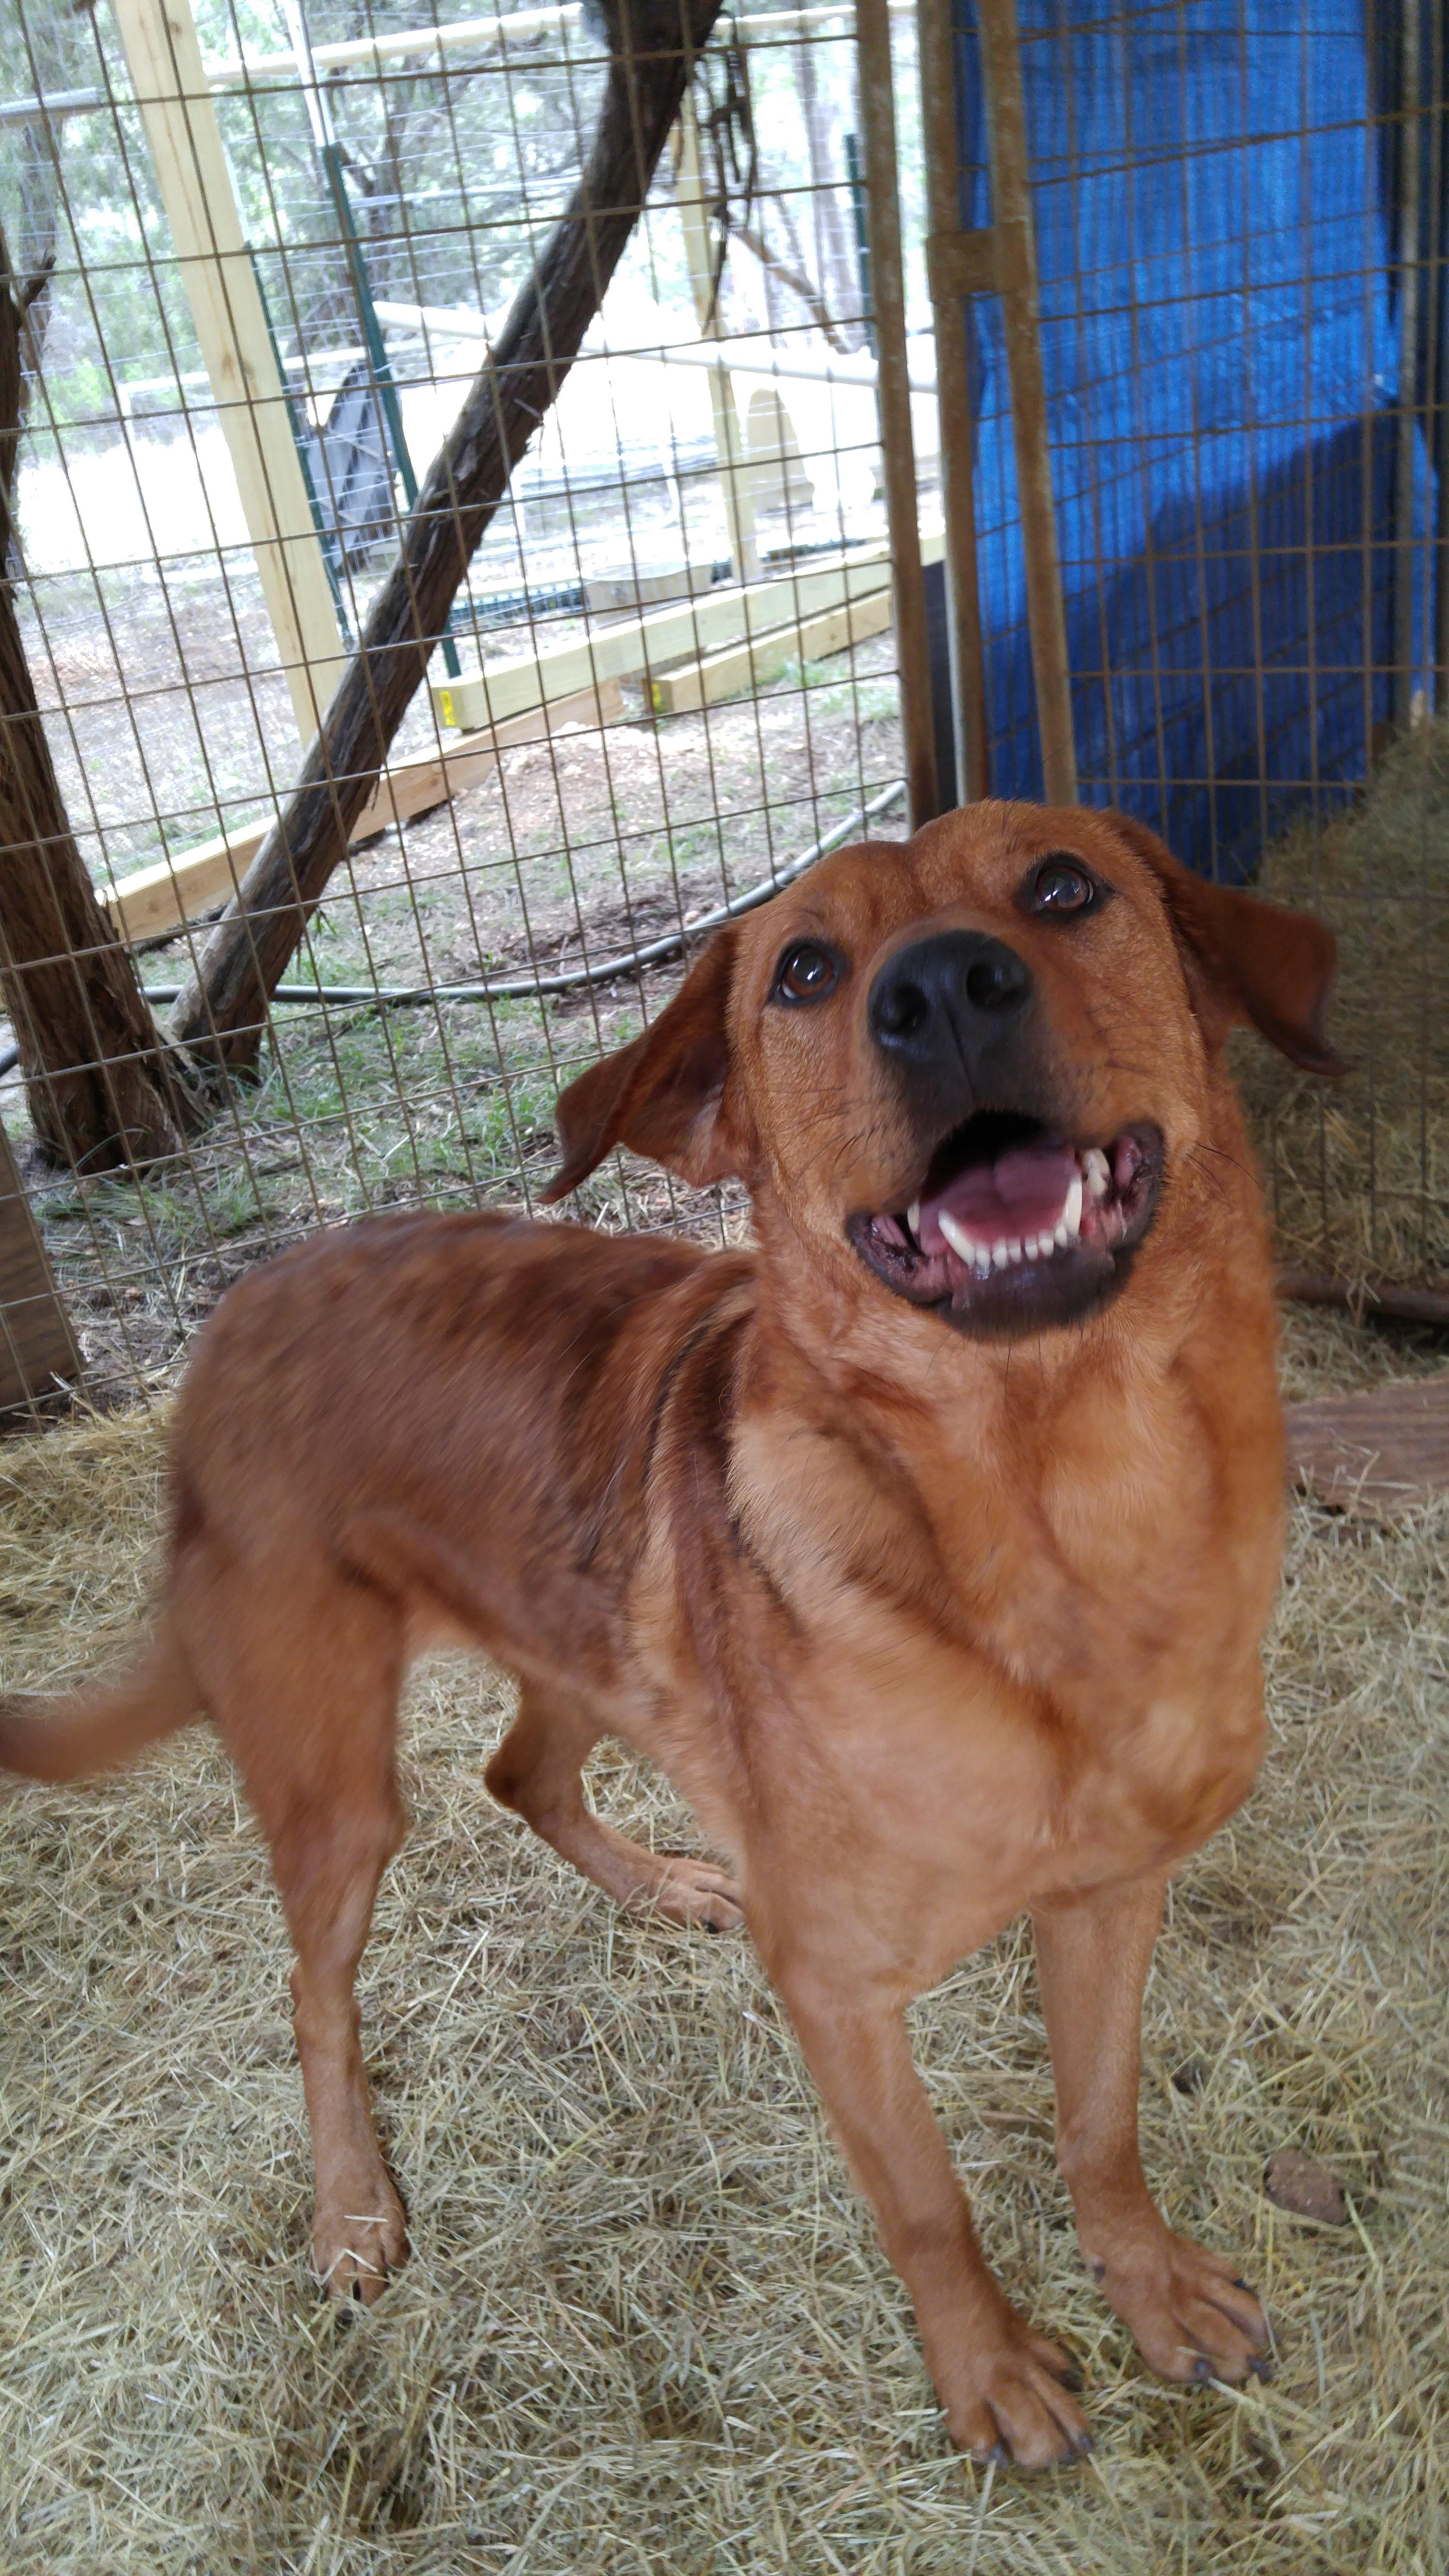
<point>1219,351</point>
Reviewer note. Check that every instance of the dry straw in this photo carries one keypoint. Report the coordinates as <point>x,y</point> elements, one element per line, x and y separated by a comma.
<point>1359,1170</point>
<point>646,2326</point>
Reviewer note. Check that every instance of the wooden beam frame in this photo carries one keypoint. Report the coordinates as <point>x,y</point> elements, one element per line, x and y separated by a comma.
<point>642,645</point>
<point>691,655</point>
<point>215,266</point>
<point>764,657</point>
<point>154,901</point>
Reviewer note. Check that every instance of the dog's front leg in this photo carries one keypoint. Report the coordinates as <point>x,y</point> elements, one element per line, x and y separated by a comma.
<point>1003,2387</point>
<point>1192,2318</point>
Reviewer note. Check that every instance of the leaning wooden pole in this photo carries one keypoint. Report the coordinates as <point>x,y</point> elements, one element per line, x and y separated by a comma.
<point>653,45</point>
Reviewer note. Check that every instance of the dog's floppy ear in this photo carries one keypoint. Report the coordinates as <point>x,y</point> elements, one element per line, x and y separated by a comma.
<point>667,1095</point>
<point>1246,959</point>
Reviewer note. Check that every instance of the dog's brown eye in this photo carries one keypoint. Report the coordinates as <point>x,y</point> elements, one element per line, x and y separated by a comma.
<point>1059,887</point>
<point>806,973</point>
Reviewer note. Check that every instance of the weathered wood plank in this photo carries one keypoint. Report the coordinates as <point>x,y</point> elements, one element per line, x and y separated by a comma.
<point>1378,1453</point>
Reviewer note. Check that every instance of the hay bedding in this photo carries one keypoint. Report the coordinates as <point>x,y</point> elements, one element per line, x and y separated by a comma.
<point>646,2327</point>
<point>1358,1171</point>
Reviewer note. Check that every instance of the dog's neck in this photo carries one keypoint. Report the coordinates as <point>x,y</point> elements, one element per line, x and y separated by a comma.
<point>893,1360</point>
<point>1118,1456</point>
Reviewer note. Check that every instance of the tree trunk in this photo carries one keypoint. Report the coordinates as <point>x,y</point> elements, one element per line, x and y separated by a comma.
<point>101,1091</point>
<point>222,1015</point>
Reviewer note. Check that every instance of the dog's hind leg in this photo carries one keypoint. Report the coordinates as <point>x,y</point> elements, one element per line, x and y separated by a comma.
<point>308,1708</point>
<point>537,1772</point>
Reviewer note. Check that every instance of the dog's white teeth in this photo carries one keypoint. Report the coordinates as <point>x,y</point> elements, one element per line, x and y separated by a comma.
<point>913,1219</point>
<point>1061,1238</point>
<point>1072,1213</point>
<point>1097,1172</point>
<point>1007,1253</point>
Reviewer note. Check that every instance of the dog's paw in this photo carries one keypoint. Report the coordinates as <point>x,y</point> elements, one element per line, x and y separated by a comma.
<point>1188,2313</point>
<point>359,2236</point>
<point>692,1891</point>
<point>1012,2404</point>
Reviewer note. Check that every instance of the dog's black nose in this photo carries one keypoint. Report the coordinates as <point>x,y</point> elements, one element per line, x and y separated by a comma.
<point>940,1004</point>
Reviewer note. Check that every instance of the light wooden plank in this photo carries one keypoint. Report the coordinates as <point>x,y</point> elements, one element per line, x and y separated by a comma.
<point>645,644</point>
<point>216,273</point>
<point>154,900</point>
<point>741,666</point>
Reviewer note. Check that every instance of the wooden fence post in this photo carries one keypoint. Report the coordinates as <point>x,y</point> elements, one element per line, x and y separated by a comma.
<point>172,92</point>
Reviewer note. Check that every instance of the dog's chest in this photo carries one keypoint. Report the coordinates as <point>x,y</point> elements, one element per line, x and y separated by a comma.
<point>1054,1686</point>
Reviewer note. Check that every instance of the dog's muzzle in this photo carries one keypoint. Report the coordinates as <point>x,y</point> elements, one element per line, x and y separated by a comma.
<point>1016,1228</point>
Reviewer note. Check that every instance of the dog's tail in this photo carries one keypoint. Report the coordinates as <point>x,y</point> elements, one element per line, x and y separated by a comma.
<point>96,1730</point>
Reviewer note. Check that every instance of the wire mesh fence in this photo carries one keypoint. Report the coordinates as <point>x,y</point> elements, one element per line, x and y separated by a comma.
<point>617,777</point>
<point>670,674</point>
<point>1240,227</point>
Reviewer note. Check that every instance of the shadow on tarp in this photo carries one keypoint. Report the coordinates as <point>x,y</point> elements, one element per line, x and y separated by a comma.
<point>1231,674</point>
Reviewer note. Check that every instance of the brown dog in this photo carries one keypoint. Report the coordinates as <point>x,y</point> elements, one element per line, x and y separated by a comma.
<point>928,1546</point>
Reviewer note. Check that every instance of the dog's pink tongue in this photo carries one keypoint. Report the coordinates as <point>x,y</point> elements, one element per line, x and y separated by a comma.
<point>1023,1192</point>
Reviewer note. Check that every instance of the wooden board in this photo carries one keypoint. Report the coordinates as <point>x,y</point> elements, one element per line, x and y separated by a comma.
<point>1378,1453</point>
<point>157,899</point>
<point>163,54</point>
<point>640,645</point>
<point>764,657</point>
<point>37,1345</point>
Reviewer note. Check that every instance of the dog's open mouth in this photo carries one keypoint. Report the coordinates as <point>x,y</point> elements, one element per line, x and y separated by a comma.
<point>1015,1227</point>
